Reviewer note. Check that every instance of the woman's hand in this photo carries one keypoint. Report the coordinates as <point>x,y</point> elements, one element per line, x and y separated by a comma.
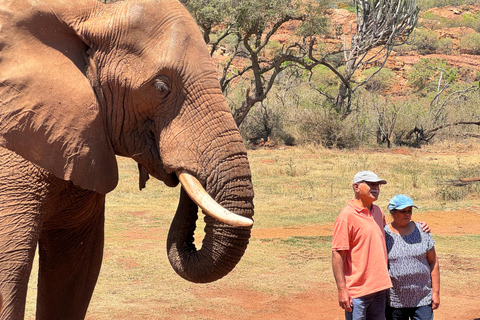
<point>435,300</point>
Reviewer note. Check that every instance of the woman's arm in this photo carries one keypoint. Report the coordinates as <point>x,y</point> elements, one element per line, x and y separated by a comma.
<point>435,274</point>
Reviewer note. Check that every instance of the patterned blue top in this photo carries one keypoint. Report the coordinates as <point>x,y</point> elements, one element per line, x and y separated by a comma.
<point>408,268</point>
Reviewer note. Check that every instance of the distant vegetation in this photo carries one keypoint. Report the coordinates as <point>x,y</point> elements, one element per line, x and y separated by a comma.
<point>439,101</point>
<point>292,94</point>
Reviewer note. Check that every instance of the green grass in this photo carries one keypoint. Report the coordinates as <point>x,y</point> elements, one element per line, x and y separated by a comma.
<point>294,187</point>
<point>321,186</point>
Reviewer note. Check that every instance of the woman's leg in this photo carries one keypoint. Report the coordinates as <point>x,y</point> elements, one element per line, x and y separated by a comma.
<point>397,313</point>
<point>423,313</point>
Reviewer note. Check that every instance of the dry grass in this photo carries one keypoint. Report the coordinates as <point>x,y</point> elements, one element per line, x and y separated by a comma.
<point>294,188</point>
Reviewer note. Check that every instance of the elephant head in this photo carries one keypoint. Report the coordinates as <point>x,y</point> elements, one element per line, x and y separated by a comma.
<point>81,82</point>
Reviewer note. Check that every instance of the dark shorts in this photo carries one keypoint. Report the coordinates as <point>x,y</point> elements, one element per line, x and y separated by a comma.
<point>418,313</point>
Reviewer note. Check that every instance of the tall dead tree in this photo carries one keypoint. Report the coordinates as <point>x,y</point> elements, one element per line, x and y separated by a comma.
<point>381,25</point>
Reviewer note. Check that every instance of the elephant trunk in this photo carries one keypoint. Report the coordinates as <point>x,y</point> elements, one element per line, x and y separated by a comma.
<point>223,245</point>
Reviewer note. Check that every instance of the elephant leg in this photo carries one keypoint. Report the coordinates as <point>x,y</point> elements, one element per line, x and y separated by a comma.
<point>17,250</point>
<point>21,195</point>
<point>71,251</point>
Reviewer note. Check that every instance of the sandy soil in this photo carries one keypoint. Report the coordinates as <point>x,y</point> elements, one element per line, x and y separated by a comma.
<point>320,302</point>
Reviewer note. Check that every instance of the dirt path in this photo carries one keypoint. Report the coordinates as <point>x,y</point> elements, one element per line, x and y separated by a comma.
<point>466,221</point>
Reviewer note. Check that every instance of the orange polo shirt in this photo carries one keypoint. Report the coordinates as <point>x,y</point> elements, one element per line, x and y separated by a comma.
<point>360,232</point>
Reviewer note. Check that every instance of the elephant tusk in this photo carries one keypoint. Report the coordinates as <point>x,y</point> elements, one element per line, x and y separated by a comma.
<point>198,194</point>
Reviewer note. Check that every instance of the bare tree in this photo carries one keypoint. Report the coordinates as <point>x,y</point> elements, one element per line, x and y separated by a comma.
<point>386,119</point>
<point>381,25</point>
<point>419,135</point>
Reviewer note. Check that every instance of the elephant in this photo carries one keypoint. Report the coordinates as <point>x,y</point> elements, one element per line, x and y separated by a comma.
<point>82,83</point>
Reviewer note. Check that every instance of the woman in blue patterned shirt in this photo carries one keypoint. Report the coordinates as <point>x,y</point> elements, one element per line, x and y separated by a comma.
<point>412,264</point>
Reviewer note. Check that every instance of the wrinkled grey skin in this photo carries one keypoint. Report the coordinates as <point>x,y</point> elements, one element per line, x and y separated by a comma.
<point>80,83</point>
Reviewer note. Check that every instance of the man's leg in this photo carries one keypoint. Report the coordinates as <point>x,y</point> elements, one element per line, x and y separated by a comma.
<point>369,307</point>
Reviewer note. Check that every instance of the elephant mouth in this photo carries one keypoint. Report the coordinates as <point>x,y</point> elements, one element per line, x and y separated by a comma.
<point>209,206</point>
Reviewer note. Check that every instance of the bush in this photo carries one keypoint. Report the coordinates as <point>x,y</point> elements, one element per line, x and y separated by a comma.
<point>445,45</point>
<point>427,4</point>
<point>425,41</point>
<point>419,75</point>
<point>404,49</point>
<point>325,80</point>
<point>327,128</point>
<point>471,43</point>
<point>380,81</point>
<point>427,70</point>
<point>265,122</point>
<point>273,48</point>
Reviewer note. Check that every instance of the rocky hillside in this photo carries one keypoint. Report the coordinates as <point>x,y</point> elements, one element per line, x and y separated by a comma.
<point>433,19</point>
<point>451,22</point>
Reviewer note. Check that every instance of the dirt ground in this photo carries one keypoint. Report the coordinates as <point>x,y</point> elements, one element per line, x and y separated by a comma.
<point>319,301</point>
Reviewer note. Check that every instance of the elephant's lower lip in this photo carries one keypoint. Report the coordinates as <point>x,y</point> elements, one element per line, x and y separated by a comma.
<point>173,181</point>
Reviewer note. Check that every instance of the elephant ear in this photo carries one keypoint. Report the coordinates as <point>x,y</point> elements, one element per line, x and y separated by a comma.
<point>49,113</point>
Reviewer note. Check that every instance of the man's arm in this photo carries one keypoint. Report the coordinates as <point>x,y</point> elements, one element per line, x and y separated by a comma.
<point>435,274</point>
<point>344,299</point>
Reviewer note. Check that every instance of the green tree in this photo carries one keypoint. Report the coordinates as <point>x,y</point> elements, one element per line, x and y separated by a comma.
<point>248,27</point>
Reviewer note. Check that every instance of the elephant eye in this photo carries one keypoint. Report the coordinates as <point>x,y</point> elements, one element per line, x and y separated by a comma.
<point>162,84</point>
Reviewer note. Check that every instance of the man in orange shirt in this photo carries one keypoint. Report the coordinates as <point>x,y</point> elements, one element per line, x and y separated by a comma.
<point>359,256</point>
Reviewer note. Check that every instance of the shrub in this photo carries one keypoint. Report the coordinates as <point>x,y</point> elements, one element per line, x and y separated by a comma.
<point>325,127</point>
<point>273,47</point>
<point>470,21</point>
<point>419,75</point>
<point>427,70</point>
<point>380,81</point>
<point>265,122</point>
<point>325,80</point>
<point>427,4</point>
<point>445,45</point>
<point>425,41</point>
<point>471,43</point>
<point>403,49</point>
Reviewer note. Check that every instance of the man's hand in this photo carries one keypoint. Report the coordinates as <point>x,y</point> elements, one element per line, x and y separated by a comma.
<point>344,300</point>
<point>425,227</point>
